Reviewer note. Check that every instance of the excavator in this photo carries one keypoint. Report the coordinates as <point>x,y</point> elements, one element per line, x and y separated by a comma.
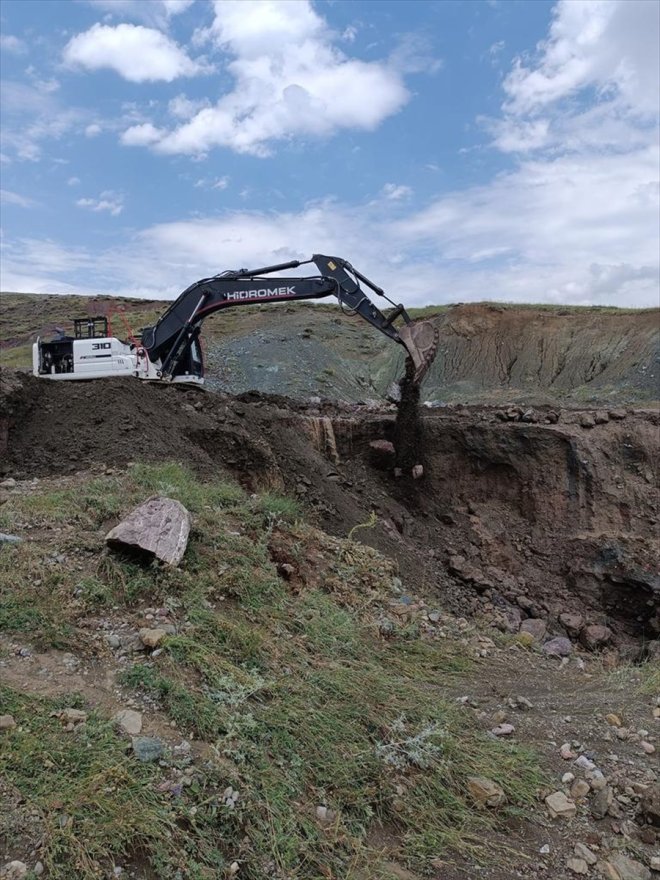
<point>170,350</point>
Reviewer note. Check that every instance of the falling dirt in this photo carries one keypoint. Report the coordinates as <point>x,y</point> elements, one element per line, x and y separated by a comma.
<point>409,427</point>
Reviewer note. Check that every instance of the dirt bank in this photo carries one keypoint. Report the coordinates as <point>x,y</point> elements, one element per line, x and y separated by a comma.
<point>513,519</point>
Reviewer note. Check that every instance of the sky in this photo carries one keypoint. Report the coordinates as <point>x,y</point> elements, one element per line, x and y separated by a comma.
<point>452,151</point>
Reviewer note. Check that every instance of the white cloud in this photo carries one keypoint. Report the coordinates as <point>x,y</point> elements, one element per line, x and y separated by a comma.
<point>73,181</point>
<point>212,183</point>
<point>141,135</point>
<point>108,201</point>
<point>395,192</point>
<point>289,81</point>
<point>611,45</point>
<point>137,53</point>
<point>10,43</point>
<point>155,13</point>
<point>593,83</point>
<point>93,130</point>
<point>31,116</point>
<point>12,198</point>
<point>184,108</point>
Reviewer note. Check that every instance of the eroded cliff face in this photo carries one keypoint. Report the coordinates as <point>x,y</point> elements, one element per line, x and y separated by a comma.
<point>491,352</point>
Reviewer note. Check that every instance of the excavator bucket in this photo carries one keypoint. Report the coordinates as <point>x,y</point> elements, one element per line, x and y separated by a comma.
<point>421,340</point>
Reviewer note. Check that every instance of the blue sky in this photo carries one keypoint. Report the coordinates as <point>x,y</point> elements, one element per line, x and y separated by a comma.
<point>454,151</point>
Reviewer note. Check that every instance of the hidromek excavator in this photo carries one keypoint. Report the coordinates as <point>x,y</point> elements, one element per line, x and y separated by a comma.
<point>170,350</point>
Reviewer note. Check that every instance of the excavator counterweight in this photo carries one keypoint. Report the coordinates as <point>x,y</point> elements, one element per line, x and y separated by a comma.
<point>170,349</point>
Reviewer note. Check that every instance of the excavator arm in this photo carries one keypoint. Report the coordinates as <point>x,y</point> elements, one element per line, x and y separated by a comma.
<point>172,341</point>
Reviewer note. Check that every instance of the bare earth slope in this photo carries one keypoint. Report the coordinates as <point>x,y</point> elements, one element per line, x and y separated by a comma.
<point>488,352</point>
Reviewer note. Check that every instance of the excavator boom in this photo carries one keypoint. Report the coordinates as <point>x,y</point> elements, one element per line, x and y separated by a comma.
<point>170,348</point>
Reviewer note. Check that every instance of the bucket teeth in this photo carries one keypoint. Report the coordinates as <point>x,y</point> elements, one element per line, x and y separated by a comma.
<point>421,340</point>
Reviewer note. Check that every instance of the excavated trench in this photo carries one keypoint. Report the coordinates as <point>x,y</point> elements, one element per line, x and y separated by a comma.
<point>546,515</point>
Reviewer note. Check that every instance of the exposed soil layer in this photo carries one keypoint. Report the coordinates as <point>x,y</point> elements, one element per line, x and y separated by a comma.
<point>514,519</point>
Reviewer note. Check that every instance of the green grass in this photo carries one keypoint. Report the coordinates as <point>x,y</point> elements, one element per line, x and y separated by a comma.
<point>299,699</point>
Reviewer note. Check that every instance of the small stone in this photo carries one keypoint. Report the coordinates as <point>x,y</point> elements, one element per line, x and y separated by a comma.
<point>72,716</point>
<point>650,805</point>
<point>14,870</point>
<point>558,647</point>
<point>523,703</point>
<point>152,637</point>
<point>572,623</point>
<point>582,851</point>
<point>485,792</point>
<point>9,483</point>
<point>655,863</point>
<point>567,778</point>
<point>129,721</point>
<point>535,627</point>
<point>601,418</point>
<point>577,866</point>
<point>325,815</point>
<point>629,869</point>
<point>595,636</point>
<point>580,789</point>
<point>234,869</point>
<point>613,720</point>
<point>584,763</point>
<point>587,420</point>
<point>147,748</point>
<point>567,752</point>
<point>601,802</point>
<point>648,747</point>
<point>559,806</point>
<point>7,722</point>
<point>545,849</point>
<point>617,413</point>
<point>503,730</point>
<point>597,780</point>
<point>38,869</point>
<point>418,471</point>
<point>10,539</point>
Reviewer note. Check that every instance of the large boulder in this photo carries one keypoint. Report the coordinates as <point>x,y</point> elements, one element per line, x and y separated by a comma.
<point>159,526</point>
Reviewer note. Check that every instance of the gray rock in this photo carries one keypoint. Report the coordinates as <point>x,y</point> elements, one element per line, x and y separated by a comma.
<point>577,866</point>
<point>485,792</point>
<point>10,539</point>
<point>7,722</point>
<point>587,420</point>
<point>601,802</point>
<point>583,852</point>
<point>152,637</point>
<point>535,627</point>
<point>572,623</point>
<point>129,721</point>
<point>147,748</point>
<point>14,870</point>
<point>159,526</point>
<point>558,647</point>
<point>629,869</point>
<point>649,806</point>
<point>595,636</point>
<point>559,806</point>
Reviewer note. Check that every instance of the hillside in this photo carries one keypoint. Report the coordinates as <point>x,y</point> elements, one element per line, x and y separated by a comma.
<point>488,352</point>
<point>351,675</point>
